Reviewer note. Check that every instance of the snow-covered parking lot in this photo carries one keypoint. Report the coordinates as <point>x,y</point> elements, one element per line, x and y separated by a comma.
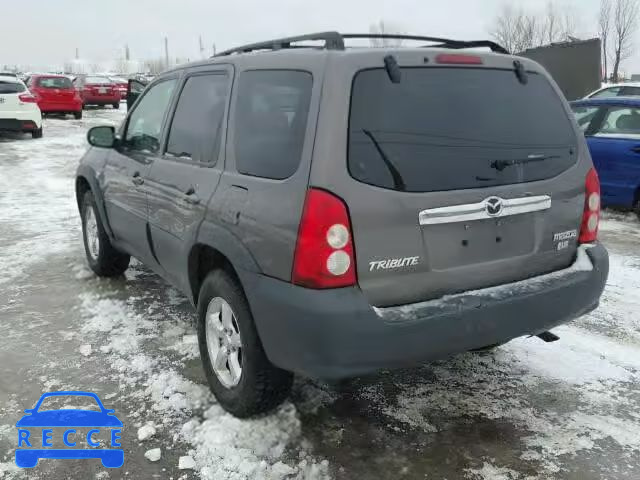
<point>527,410</point>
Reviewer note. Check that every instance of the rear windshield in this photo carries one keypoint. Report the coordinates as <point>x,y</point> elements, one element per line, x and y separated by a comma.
<point>11,87</point>
<point>54,82</point>
<point>99,80</point>
<point>456,128</point>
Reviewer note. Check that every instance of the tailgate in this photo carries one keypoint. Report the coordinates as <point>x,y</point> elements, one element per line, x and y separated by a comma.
<point>461,179</point>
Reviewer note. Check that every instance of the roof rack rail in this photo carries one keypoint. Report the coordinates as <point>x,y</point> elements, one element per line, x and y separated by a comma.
<point>335,41</point>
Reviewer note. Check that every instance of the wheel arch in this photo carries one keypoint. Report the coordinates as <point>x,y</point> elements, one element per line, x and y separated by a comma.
<point>85,181</point>
<point>217,248</point>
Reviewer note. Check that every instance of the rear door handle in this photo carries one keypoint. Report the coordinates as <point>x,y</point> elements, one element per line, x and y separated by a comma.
<point>191,196</point>
<point>137,179</point>
<point>635,149</point>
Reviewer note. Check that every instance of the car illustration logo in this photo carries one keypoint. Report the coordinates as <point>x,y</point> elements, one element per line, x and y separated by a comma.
<point>493,206</point>
<point>69,433</point>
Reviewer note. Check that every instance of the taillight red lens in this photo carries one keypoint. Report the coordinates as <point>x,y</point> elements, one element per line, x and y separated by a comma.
<point>458,59</point>
<point>591,213</point>
<point>27,98</point>
<point>324,255</point>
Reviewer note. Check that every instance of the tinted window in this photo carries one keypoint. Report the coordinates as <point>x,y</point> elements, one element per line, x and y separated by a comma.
<point>630,92</point>
<point>271,120</point>
<point>584,115</point>
<point>197,127</point>
<point>446,128</point>
<point>54,82</point>
<point>607,92</point>
<point>145,123</point>
<point>620,122</point>
<point>11,87</point>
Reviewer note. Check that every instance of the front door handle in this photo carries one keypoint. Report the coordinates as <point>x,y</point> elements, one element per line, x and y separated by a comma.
<point>137,179</point>
<point>191,196</point>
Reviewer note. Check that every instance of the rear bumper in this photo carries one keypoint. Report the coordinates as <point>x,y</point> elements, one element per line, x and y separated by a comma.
<point>60,106</point>
<point>101,100</point>
<point>21,123</point>
<point>336,334</point>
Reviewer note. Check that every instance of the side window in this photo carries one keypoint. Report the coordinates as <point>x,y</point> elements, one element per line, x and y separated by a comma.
<point>630,92</point>
<point>145,123</point>
<point>620,122</point>
<point>197,126</point>
<point>271,121</point>
<point>607,92</point>
<point>584,115</point>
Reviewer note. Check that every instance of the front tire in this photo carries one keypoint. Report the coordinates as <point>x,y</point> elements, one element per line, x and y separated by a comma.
<point>103,259</point>
<point>78,115</point>
<point>37,133</point>
<point>116,105</point>
<point>243,380</point>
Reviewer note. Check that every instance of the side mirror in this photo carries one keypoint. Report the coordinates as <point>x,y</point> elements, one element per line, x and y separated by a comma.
<point>102,136</point>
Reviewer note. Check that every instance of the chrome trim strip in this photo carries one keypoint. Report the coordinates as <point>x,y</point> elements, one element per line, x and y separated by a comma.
<point>478,211</point>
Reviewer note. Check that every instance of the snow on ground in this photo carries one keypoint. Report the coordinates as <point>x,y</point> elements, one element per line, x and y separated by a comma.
<point>562,404</point>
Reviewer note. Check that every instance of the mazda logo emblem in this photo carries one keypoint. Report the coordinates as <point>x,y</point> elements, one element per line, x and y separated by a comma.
<point>493,206</point>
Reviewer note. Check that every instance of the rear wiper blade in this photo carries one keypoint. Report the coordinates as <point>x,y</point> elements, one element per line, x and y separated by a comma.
<point>398,182</point>
<point>502,164</point>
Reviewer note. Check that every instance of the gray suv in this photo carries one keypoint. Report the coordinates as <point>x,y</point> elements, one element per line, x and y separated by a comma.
<point>333,211</point>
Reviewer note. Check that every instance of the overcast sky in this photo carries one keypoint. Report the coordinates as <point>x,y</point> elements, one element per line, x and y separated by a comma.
<point>46,32</point>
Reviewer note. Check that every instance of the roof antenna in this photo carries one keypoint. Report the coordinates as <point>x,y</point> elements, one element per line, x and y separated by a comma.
<point>521,73</point>
<point>393,70</point>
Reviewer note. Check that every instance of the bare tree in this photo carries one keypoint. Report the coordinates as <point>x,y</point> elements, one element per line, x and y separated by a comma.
<point>383,27</point>
<point>517,29</point>
<point>604,29</point>
<point>625,25</point>
<point>94,67</point>
<point>121,65</point>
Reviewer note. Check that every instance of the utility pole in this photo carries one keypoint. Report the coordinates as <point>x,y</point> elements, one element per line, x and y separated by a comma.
<point>166,53</point>
<point>77,53</point>
<point>201,46</point>
<point>214,48</point>
<point>126,53</point>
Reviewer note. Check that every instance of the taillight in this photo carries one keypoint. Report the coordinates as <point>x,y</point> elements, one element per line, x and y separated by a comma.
<point>591,213</point>
<point>27,98</point>
<point>458,59</point>
<point>324,250</point>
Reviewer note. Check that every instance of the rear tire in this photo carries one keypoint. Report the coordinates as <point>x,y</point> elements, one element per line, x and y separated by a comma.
<point>78,115</point>
<point>102,258</point>
<point>37,133</point>
<point>261,386</point>
<point>116,106</point>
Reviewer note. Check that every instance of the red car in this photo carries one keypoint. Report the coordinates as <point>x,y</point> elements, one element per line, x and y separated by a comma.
<point>96,90</point>
<point>121,85</point>
<point>55,94</point>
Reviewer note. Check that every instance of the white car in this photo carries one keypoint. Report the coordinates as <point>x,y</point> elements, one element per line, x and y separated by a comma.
<point>19,110</point>
<point>617,90</point>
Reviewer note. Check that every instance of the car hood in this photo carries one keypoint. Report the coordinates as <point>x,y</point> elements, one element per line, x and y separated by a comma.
<point>69,418</point>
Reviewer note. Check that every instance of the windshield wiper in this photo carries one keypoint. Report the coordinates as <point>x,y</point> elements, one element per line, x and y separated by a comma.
<point>398,182</point>
<point>502,164</point>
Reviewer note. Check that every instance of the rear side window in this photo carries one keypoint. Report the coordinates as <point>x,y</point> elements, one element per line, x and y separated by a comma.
<point>54,82</point>
<point>454,128</point>
<point>11,87</point>
<point>271,120</point>
<point>607,93</point>
<point>620,122</point>
<point>630,92</point>
<point>197,126</point>
<point>584,115</point>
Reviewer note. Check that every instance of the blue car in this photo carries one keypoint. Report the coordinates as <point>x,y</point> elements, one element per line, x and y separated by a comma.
<point>41,445</point>
<point>612,129</point>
